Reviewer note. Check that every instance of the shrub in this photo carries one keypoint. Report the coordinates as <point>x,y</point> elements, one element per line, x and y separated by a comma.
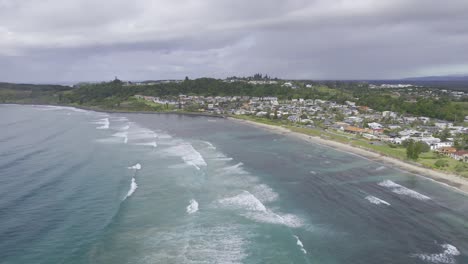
<point>441,163</point>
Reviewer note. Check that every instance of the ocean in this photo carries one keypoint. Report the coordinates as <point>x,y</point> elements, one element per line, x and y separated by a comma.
<point>79,186</point>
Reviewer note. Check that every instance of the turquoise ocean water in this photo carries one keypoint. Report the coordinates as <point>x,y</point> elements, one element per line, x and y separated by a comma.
<point>85,187</point>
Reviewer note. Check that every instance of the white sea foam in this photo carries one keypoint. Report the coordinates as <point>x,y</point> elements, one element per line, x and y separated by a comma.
<point>381,168</point>
<point>313,172</point>
<point>210,146</point>
<point>192,207</point>
<point>133,187</point>
<point>164,136</point>
<point>375,200</point>
<point>254,209</point>
<point>264,193</point>
<point>119,119</point>
<point>398,189</point>
<point>53,107</point>
<point>125,127</point>
<point>213,243</point>
<point>270,217</point>
<point>223,159</point>
<point>142,133</point>
<point>135,167</point>
<point>299,243</point>
<point>104,123</point>
<point>151,144</point>
<point>123,135</point>
<point>244,200</point>
<point>446,257</point>
<point>188,154</point>
<point>234,169</point>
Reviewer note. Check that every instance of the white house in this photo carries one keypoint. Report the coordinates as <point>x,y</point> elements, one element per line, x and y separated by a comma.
<point>443,125</point>
<point>374,125</point>
<point>439,145</point>
<point>389,114</point>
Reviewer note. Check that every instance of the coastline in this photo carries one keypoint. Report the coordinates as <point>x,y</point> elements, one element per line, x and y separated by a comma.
<point>101,110</point>
<point>451,180</point>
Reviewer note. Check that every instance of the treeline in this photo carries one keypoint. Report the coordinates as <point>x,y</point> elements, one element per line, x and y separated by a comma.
<point>34,87</point>
<point>31,93</point>
<point>442,108</point>
<point>202,86</point>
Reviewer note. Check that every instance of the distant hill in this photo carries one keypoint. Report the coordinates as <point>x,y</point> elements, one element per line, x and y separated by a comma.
<point>34,87</point>
<point>442,78</point>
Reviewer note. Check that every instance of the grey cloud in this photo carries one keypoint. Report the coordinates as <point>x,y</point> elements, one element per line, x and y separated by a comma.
<point>76,40</point>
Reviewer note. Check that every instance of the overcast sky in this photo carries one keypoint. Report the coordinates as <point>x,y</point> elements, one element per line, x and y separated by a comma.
<point>77,40</point>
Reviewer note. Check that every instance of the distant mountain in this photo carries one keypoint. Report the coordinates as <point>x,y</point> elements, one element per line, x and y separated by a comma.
<point>444,78</point>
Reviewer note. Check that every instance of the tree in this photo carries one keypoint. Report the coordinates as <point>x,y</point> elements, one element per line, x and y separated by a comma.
<point>423,147</point>
<point>444,135</point>
<point>413,149</point>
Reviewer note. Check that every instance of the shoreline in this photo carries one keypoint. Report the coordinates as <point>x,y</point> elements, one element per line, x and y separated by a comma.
<point>453,181</point>
<point>100,110</point>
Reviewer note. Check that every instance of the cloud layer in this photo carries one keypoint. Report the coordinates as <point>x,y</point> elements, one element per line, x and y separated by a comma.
<point>73,40</point>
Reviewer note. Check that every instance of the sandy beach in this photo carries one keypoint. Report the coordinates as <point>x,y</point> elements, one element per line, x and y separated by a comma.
<point>450,180</point>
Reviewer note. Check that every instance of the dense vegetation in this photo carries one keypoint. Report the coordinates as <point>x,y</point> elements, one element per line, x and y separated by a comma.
<point>116,94</point>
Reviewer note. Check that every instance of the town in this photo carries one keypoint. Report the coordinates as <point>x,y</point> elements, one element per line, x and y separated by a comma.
<point>347,120</point>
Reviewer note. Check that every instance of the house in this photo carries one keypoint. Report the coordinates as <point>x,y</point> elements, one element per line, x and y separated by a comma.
<point>439,145</point>
<point>447,150</point>
<point>375,126</point>
<point>293,118</point>
<point>392,127</point>
<point>389,114</point>
<point>443,125</point>
<point>355,130</point>
<point>461,155</point>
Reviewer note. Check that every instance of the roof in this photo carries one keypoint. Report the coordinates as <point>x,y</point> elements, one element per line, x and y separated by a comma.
<point>355,129</point>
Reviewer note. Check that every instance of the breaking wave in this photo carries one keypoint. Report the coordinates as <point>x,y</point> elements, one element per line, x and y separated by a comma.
<point>398,189</point>
<point>192,207</point>
<point>375,200</point>
<point>151,144</point>
<point>381,168</point>
<point>264,193</point>
<point>299,243</point>
<point>251,207</point>
<point>123,135</point>
<point>234,169</point>
<point>210,146</point>
<point>104,123</point>
<point>133,187</point>
<point>446,257</point>
<point>188,154</point>
<point>135,167</point>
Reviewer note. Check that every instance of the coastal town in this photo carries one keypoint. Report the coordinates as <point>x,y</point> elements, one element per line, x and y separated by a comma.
<point>348,120</point>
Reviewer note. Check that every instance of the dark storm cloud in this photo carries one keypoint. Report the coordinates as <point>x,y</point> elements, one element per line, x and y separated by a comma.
<point>54,40</point>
